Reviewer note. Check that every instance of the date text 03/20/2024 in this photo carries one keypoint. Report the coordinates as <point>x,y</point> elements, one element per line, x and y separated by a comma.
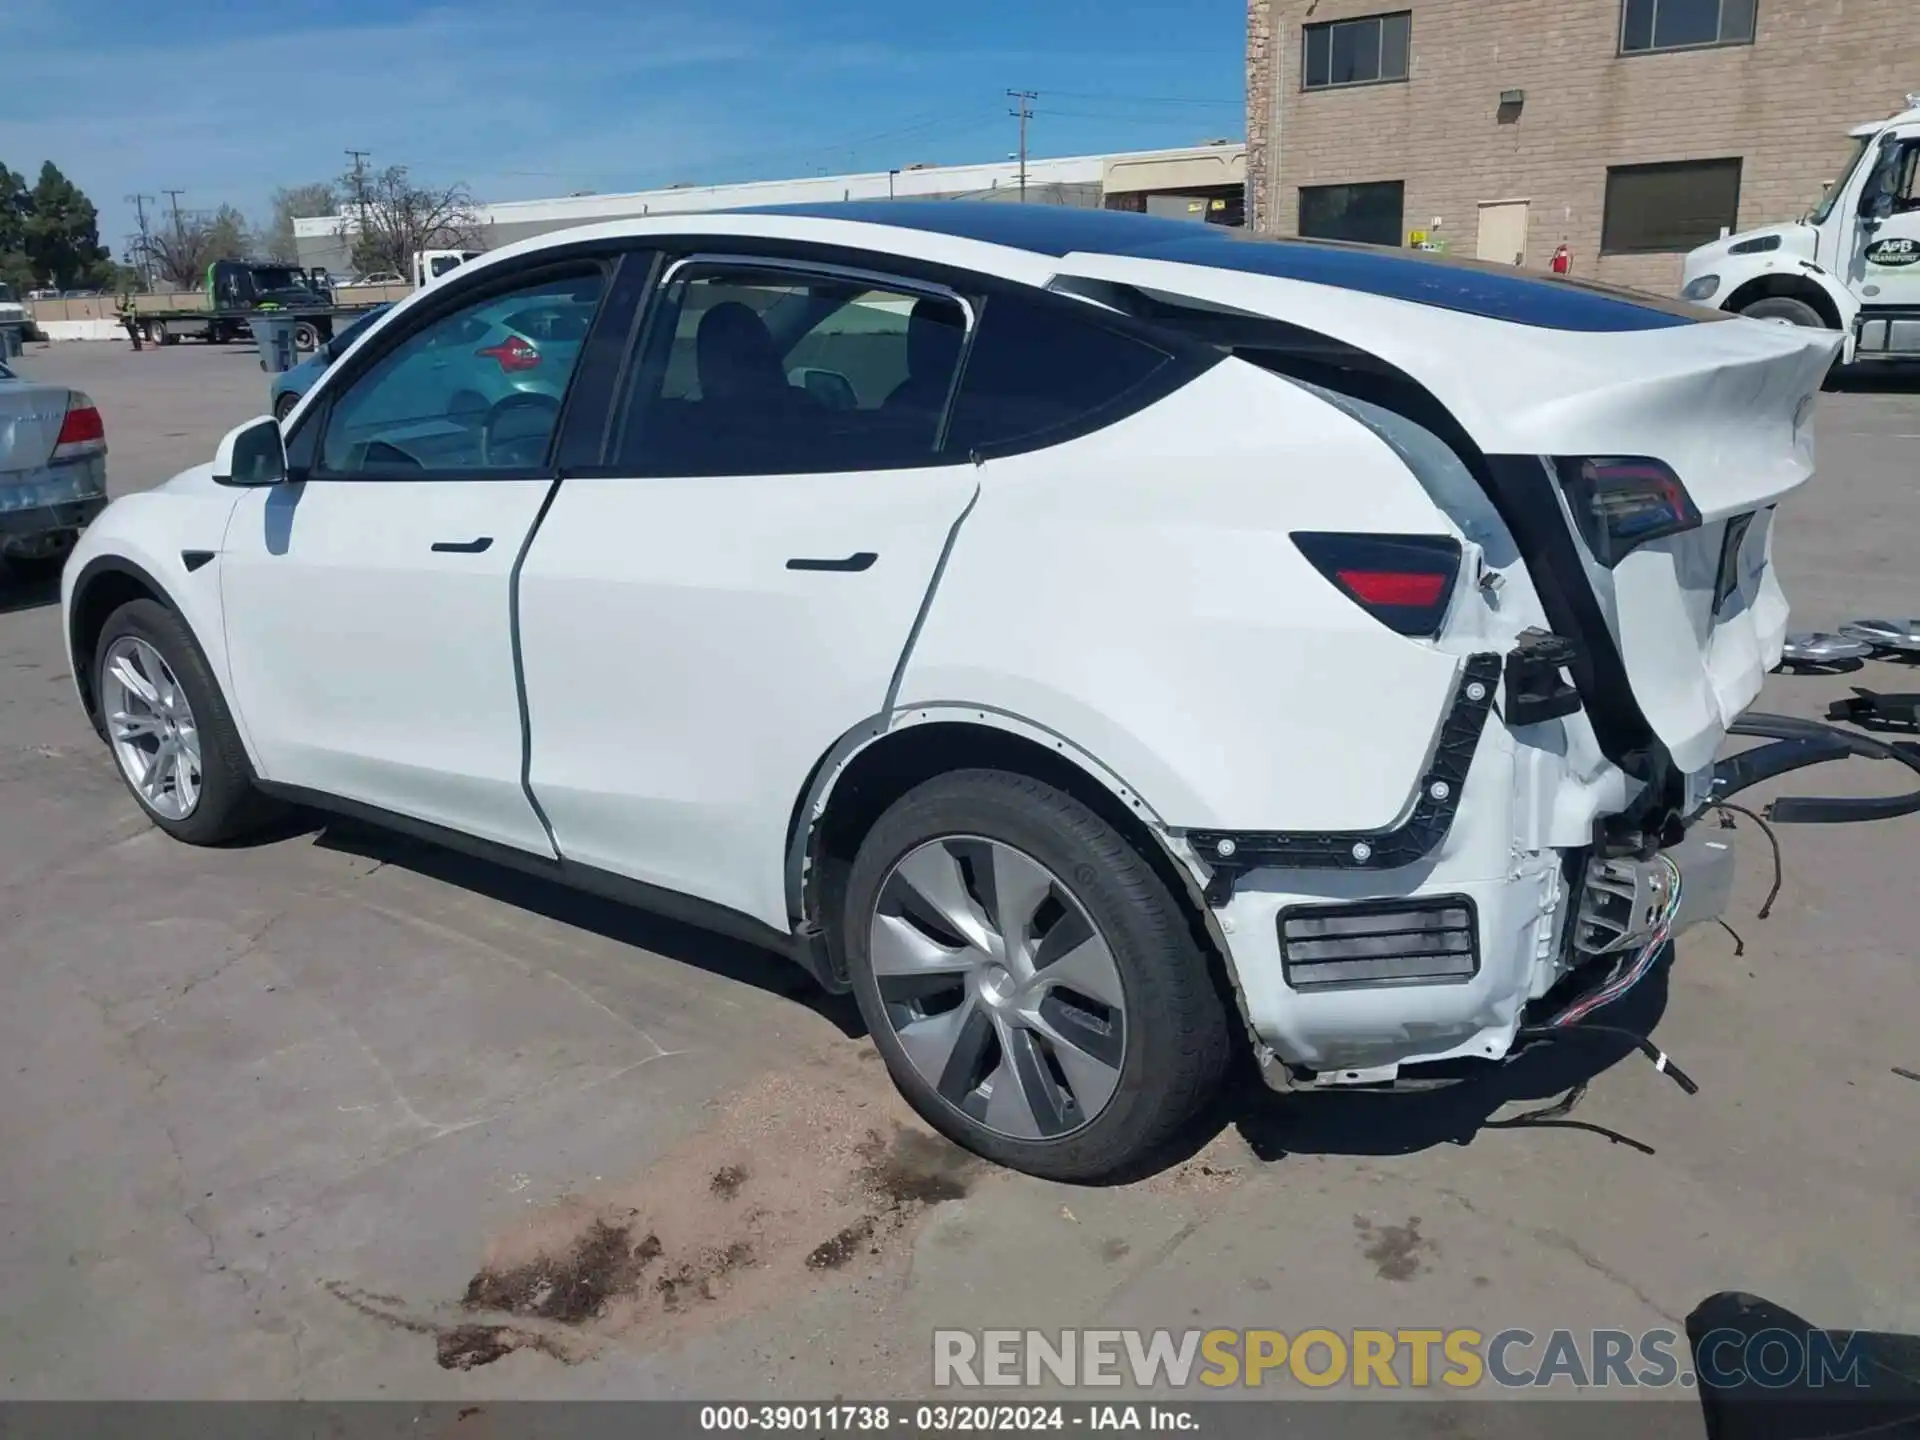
<point>878,1418</point>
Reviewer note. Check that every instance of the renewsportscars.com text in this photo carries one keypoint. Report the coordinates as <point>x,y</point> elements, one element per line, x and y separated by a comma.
<point>1320,1359</point>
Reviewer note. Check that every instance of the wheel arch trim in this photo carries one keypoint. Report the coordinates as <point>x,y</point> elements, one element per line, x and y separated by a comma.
<point>90,576</point>
<point>817,795</point>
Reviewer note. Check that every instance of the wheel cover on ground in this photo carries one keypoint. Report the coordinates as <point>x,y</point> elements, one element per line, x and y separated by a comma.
<point>999,988</point>
<point>152,728</point>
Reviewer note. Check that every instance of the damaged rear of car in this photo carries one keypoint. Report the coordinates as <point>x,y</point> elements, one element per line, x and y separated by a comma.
<point>1442,750</point>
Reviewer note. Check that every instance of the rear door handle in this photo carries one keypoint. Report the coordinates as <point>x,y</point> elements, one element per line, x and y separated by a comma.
<point>463,547</point>
<point>854,563</point>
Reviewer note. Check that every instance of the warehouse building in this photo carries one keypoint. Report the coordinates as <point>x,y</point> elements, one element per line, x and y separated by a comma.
<point>1204,183</point>
<point>1629,131</point>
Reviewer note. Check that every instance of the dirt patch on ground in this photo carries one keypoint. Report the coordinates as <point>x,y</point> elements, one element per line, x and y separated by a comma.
<point>807,1173</point>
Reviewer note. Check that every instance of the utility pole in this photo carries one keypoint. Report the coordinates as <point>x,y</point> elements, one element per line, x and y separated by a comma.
<point>1024,99</point>
<point>174,197</point>
<point>359,158</point>
<point>146,244</point>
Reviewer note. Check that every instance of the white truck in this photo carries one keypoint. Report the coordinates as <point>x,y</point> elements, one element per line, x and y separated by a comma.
<point>1852,263</point>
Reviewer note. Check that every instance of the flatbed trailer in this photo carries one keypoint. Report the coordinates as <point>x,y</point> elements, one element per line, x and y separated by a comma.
<point>237,290</point>
<point>316,327</point>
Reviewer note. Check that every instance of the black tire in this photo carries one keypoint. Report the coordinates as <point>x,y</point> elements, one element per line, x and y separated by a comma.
<point>38,569</point>
<point>230,806</point>
<point>283,407</point>
<point>1177,1036</point>
<point>306,338</point>
<point>1785,307</point>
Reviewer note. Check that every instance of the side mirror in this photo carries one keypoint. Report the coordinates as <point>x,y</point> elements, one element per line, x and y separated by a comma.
<point>252,454</point>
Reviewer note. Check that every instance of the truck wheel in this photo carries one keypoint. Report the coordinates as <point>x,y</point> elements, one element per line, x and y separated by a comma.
<point>161,335</point>
<point>1786,309</point>
<point>1035,989</point>
<point>305,338</point>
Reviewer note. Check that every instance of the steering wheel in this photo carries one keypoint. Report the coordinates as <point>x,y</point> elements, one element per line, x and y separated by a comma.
<point>517,430</point>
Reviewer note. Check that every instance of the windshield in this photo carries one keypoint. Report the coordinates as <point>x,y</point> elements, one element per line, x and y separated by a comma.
<point>277,277</point>
<point>1818,215</point>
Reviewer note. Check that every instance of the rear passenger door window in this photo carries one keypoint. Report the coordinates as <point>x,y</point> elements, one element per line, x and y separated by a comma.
<point>758,368</point>
<point>1043,369</point>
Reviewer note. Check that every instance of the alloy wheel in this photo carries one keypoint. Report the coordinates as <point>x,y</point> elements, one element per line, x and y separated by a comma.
<point>1001,991</point>
<point>152,728</point>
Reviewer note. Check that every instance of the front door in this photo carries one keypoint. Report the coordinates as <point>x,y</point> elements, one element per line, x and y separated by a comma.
<point>368,606</point>
<point>704,621</point>
<point>1887,265</point>
<point>1503,232</point>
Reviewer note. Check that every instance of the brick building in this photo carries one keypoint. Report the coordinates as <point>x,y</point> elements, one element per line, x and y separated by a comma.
<point>1630,130</point>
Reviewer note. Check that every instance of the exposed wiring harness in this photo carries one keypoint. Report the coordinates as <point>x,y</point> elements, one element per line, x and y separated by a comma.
<point>1630,971</point>
<point>1627,973</point>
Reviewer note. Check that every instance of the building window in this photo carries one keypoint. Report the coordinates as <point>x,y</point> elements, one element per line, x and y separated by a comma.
<point>1684,24</point>
<point>1368,214</point>
<point>1653,209</point>
<point>1357,52</point>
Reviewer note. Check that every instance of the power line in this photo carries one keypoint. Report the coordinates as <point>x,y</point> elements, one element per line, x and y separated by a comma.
<point>1236,103</point>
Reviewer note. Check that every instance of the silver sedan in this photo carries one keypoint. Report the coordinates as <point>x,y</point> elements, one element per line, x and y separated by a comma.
<point>53,471</point>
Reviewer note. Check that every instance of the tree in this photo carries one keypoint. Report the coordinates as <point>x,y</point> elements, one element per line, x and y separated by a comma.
<point>183,247</point>
<point>16,204</point>
<point>291,203</point>
<point>63,234</point>
<point>398,217</point>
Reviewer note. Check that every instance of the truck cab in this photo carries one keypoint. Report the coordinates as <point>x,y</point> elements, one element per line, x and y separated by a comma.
<point>1851,263</point>
<point>430,265</point>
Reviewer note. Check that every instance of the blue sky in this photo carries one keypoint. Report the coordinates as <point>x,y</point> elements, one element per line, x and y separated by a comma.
<point>227,99</point>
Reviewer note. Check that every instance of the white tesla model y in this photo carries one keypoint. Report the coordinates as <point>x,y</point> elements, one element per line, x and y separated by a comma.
<point>1088,638</point>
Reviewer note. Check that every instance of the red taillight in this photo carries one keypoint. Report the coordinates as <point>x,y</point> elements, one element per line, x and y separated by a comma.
<point>514,355</point>
<point>82,432</point>
<point>1621,502</point>
<point>1392,587</point>
<point>1403,581</point>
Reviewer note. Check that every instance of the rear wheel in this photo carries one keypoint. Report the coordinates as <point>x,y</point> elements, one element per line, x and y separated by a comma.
<point>306,338</point>
<point>1035,989</point>
<point>161,335</point>
<point>1787,310</point>
<point>284,406</point>
<point>170,730</point>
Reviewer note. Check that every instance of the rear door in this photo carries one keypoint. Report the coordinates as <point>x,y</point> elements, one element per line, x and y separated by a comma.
<point>704,617</point>
<point>1537,369</point>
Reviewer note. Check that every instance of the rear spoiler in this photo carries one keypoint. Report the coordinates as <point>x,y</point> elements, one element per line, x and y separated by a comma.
<point>1799,743</point>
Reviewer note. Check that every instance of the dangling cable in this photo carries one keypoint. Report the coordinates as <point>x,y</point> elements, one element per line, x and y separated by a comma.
<point>1772,839</point>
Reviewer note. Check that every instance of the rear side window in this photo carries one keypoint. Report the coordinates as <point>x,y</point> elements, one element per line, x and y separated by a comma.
<point>1041,370</point>
<point>764,370</point>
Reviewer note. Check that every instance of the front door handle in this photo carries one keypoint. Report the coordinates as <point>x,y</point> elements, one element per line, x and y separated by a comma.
<point>463,547</point>
<point>853,564</point>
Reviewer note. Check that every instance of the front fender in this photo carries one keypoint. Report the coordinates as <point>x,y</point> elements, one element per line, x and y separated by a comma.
<point>168,541</point>
<point>1737,272</point>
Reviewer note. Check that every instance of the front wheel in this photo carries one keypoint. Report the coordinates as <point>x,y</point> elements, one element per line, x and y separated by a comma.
<point>170,730</point>
<point>1035,989</point>
<point>284,406</point>
<point>1786,310</point>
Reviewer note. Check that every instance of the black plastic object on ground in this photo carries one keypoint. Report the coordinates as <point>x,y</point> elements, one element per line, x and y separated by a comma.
<point>1764,1373</point>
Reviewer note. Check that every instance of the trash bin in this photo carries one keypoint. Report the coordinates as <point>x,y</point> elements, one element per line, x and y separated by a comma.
<point>274,335</point>
<point>10,342</point>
